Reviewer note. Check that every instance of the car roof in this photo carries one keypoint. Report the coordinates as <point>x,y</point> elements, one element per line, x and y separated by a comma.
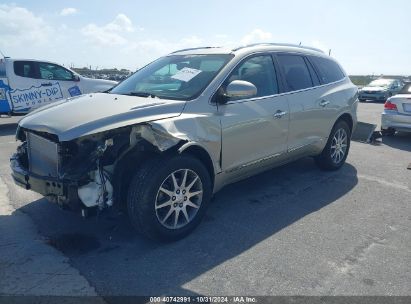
<point>251,48</point>
<point>387,79</point>
<point>28,59</point>
<point>38,60</point>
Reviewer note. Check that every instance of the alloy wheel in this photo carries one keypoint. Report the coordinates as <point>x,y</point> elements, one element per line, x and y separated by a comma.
<point>339,145</point>
<point>179,199</point>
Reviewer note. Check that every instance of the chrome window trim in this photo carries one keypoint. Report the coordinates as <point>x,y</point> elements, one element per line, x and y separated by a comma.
<point>268,53</point>
<point>284,94</point>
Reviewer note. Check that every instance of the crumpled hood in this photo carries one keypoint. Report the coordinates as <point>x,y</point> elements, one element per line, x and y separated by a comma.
<point>98,112</point>
<point>374,89</point>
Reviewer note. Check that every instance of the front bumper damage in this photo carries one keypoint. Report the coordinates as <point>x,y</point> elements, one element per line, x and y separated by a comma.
<point>62,191</point>
<point>92,176</point>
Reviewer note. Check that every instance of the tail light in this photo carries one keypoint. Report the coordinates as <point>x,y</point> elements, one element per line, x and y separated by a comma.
<point>390,106</point>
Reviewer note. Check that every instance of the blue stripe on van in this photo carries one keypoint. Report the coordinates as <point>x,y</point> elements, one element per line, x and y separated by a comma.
<point>4,104</point>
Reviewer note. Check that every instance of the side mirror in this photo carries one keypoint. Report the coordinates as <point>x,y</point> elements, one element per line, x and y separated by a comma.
<point>240,89</point>
<point>76,77</point>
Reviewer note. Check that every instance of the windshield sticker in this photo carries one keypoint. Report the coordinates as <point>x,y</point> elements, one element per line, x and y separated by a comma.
<point>35,96</point>
<point>74,91</point>
<point>186,74</point>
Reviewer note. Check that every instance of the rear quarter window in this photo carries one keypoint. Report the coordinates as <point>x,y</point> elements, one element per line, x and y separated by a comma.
<point>25,69</point>
<point>328,70</point>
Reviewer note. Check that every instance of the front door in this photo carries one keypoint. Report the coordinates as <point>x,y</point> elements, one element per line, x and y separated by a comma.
<point>254,130</point>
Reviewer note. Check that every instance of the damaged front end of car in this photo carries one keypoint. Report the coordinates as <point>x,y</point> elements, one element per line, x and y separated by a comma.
<point>92,171</point>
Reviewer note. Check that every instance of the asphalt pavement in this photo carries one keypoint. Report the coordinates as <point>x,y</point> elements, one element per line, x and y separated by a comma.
<point>294,230</point>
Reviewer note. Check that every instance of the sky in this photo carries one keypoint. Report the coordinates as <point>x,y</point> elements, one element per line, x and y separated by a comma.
<point>366,37</point>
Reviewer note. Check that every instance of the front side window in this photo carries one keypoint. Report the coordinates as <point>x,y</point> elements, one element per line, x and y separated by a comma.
<point>295,71</point>
<point>54,72</point>
<point>180,77</point>
<point>260,72</point>
<point>25,69</point>
<point>328,69</point>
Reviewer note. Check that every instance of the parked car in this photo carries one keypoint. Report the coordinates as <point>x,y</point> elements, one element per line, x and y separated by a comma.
<point>380,89</point>
<point>167,138</point>
<point>397,112</point>
<point>28,84</point>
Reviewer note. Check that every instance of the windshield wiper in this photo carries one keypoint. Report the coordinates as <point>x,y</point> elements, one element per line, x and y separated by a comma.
<point>141,94</point>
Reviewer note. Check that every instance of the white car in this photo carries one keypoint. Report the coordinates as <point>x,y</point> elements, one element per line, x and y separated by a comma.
<point>29,84</point>
<point>397,112</point>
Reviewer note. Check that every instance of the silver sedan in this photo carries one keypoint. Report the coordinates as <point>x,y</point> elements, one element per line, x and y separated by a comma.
<point>397,112</point>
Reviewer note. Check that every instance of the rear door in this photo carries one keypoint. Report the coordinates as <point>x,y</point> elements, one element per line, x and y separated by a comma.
<point>25,88</point>
<point>308,111</point>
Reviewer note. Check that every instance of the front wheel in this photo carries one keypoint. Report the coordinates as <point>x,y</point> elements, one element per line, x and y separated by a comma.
<point>336,150</point>
<point>167,197</point>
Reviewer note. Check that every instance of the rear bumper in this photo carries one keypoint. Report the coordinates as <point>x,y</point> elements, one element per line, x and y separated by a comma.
<point>64,191</point>
<point>375,97</point>
<point>395,120</point>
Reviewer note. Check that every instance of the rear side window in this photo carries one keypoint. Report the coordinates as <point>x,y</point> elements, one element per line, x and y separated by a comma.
<point>328,69</point>
<point>295,71</point>
<point>314,76</point>
<point>25,69</point>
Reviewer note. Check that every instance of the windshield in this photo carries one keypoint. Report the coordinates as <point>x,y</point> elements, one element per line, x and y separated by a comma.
<point>380,83</point>
<point>181,77</point>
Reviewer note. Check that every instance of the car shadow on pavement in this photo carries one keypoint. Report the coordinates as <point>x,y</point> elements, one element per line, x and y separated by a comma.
<point>8,129</point>
<point>401,140</point>
<point>116,261</point>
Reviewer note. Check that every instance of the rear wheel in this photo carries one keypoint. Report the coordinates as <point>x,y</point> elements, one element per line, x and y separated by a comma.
<point>167,198</point>
<point>336,150</point>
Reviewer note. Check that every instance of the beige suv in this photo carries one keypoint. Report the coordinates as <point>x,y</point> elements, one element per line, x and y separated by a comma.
<point>163,141</point>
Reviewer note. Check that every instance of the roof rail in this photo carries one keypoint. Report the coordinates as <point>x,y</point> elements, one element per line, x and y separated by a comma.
<point>279,44</point>
<point>196,48</point>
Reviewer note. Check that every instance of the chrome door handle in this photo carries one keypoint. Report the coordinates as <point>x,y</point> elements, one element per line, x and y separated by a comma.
<point>279,114</point>
<point>48,84</point>
<point>324,102</point>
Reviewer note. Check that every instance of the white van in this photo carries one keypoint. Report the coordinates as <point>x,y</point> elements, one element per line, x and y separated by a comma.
<point>28,84</point>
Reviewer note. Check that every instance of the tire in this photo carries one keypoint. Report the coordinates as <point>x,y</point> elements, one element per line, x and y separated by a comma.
<point>153,212</point>
<point>362,100</point>
<point>328,159</point>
